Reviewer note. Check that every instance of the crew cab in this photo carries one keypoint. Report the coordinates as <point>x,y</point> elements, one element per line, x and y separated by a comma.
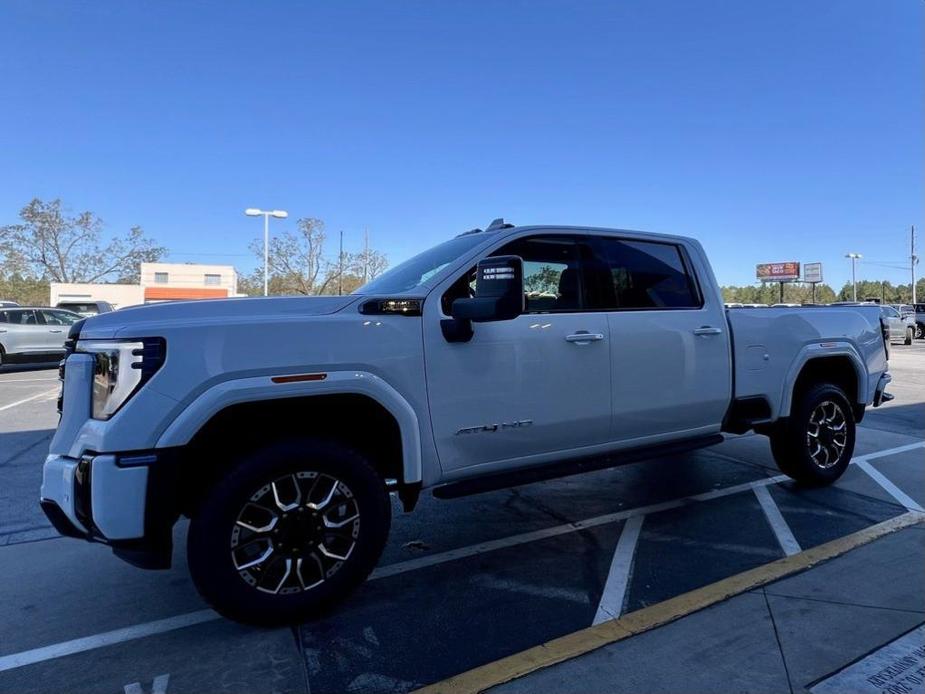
<point>280,426</point>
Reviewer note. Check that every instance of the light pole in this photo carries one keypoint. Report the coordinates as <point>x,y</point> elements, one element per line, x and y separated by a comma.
<point>854,282</point>
<point>279,214</point>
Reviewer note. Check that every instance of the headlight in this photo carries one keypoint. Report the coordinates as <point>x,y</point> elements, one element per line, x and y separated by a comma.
<point>122,367</point>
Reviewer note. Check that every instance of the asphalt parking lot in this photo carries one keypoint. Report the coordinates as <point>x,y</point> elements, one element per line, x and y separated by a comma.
<point>461,583</point>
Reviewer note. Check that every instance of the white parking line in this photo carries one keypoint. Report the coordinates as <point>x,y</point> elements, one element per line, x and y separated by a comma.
<point>779,526</point>
<point>109,638</point>
<point>158,686</point>
<point>889,487</point>
<point>27,380</point>
<point>611,604</point>
<point>29,399</point>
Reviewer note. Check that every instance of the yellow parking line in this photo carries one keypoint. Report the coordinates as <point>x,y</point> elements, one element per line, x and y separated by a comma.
<point>585,640</point>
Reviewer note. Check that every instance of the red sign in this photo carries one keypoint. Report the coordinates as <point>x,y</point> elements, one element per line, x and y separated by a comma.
<point>778,272</point>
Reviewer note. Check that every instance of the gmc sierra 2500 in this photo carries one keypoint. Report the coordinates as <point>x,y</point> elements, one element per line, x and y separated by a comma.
<point>280,426</point>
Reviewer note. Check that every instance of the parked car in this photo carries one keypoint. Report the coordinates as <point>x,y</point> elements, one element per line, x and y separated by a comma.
<point>33,332</point>
<point>920,321</point>
<point>86,308</point>
<point>899,329</point>
<point>7,304</point>
<point>281,425</point>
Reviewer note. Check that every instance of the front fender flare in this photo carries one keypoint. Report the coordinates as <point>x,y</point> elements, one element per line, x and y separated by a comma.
<point>257,388</point>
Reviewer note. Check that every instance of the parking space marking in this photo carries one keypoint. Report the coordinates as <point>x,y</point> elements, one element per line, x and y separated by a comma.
<point>889,487</point>
<point>779,526</point>
<point>611,604</point>
<point>36,655</point>
<point>29,399</point>
<point>108,638</point>
<point>578,643</point>
<point>159,686</point>
<point>888,451</point>
<point>27,380</point>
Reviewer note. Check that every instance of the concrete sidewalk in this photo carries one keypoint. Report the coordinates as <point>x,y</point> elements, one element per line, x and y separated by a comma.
<point>784,637</point>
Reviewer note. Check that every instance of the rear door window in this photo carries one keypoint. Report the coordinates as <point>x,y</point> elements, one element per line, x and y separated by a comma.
<point>21,317</point>
<point>626,274</point>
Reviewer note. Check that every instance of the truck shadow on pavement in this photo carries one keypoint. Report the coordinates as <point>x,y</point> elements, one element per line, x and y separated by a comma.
<point>22,454</point>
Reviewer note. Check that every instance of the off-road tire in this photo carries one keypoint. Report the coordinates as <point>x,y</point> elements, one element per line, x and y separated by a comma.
<point>806,445</point>
<point>272,477</point>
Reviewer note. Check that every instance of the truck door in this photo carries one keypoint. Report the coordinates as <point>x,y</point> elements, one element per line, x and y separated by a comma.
<point>669,343</point>
<point>537,384</point>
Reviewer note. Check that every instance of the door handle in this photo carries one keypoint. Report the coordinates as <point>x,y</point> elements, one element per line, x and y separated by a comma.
<point>582,337</point>
<point>56,331</point>
<point>707,330</point>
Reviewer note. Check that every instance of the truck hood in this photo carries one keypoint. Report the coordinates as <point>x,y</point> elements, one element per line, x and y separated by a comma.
<point>139,321</point>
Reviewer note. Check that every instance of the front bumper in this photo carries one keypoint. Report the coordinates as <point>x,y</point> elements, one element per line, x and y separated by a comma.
<point>125,501</point>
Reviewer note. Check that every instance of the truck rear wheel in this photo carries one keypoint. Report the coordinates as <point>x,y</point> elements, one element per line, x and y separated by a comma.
<point>289,532</point>
<point>815,444</point>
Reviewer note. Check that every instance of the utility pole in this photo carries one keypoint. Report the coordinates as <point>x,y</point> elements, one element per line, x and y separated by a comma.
<point>912,261</point>
<point>854,281</point>
<point>366,256</point>
<point>340,265</point>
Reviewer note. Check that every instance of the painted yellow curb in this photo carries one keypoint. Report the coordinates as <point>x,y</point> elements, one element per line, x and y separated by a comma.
<point>580,642</point>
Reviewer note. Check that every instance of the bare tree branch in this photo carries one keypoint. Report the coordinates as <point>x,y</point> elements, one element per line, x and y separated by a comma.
<point>51,245</point>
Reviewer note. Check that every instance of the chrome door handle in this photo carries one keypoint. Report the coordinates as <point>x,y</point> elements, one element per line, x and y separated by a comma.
<point>707,330</point>
<point>583,338</point>
<point>56,331</point>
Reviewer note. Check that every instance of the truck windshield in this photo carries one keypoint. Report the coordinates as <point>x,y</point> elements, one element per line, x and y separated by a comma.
<point>413,272</point>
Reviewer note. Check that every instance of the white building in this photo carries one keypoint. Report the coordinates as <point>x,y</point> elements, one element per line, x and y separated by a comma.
<point>159,282</point>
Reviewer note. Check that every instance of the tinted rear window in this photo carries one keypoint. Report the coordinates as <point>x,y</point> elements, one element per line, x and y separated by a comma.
<point>628,274</point>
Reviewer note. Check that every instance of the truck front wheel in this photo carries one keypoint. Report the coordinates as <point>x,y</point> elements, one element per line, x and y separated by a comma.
<point>815,444</point>
<point>290,531</point>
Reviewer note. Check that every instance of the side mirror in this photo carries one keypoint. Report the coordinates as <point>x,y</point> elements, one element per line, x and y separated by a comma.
<point>499,295</point>
<point>499,291</point>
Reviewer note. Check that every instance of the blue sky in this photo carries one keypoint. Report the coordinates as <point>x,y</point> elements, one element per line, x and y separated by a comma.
<point>770,130</point>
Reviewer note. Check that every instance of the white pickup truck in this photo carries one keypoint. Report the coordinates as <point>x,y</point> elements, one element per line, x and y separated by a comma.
<point>280,426</point>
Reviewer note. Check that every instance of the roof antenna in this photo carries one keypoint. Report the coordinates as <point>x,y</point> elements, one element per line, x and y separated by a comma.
<point>499,223</point>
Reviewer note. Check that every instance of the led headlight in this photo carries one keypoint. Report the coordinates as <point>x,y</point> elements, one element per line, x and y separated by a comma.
<point>122,367</point>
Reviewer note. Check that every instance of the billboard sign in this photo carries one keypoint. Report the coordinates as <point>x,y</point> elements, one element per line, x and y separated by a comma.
<point>778,272</point>
<point>812,272</point>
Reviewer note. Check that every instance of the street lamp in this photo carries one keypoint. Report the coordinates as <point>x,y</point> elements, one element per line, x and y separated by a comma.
<point>855,257</point>
<point>278,214</point>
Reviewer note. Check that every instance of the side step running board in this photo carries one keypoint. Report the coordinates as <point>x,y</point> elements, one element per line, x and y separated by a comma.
<point>572,466</point>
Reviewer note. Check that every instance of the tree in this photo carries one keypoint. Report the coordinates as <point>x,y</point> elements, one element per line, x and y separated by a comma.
<point>769,293</point>
<point>885,291</point>
<point>298,264</point>
<point>54,246</point>
<point>25,291</point>
<point>544,281</point>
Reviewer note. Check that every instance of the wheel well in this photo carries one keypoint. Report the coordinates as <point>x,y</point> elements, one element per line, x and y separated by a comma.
<point>838,371</point>
<point>356,420</point>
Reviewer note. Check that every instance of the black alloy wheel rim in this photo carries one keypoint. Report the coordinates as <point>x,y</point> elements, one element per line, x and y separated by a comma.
<point>827,434</point>
<point>295,533</point>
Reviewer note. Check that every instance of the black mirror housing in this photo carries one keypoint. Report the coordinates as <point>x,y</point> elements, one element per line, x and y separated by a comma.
<point>499,291</point>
